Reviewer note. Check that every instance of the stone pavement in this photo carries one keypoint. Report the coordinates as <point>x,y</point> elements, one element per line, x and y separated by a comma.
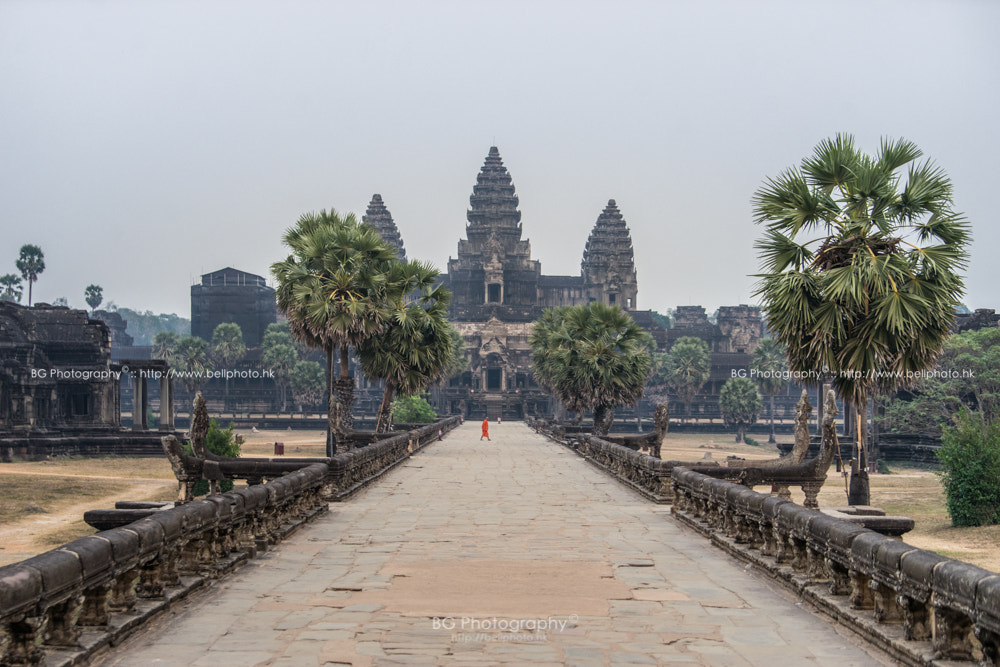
<point>514,551</point>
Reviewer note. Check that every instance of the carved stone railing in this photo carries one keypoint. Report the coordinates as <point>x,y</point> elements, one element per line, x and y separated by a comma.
<point>914,604</point>
<point>62,606</point>
<point>347,472</point>
<point>646,474</point>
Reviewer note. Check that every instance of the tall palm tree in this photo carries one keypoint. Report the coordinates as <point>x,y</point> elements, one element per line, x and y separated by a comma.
<point>687,368</point>
<point>591,357</point>
<point>11,288</point>
<point>417,348</point>
<point>739,402</point>
<point>860,268</point>
<point>280,359</point>
<point>164,344</point>
<point>192,362</point>
<point>93,295</point>
<point>228,348</point>
<point>331,289</point>
<point>770,371</point>
<point>30,262</point>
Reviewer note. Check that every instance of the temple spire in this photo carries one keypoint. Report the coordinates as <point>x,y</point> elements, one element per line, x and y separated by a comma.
<point>493,204</point>
<point>608,265</point>
<point>378,216</point>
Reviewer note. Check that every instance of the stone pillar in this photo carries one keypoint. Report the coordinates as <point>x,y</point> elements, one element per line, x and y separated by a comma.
<point>29,407</point>
<point>138,401</point>
<point>166,402</point>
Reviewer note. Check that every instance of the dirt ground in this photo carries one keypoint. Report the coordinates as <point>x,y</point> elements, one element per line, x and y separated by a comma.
<point>42,503</point>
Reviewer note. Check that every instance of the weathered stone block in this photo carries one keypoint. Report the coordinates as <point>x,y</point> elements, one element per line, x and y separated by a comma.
<point>20,589</point>
<point>95,556</point>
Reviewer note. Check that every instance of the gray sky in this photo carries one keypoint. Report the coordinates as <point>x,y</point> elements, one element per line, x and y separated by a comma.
<point>145,143</point>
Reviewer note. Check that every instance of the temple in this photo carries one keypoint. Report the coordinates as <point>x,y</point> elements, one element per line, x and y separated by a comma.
<point>499,291</point>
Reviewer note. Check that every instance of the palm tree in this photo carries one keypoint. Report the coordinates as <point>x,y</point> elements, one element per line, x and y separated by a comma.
<point>417,347</point>
<point>770,372</point>
<point>687,368</point>
<point>191,360</point>
<point>94,295</point>
<point>591,357</point>
<point>164,344</point>
<point>331,289</point>
<point>280,359</point>
<point>860,268</point>
<point>308,383</point>
<point>11,285</point>
<point>228,348</point>
<point>739,402</point>
<point>30,263</point>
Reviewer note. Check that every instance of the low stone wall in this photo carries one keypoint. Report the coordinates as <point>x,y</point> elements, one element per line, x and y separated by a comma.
<point>648,475</point>
<point>916,605</point>
<point>107,443</point>
<point>352,471</point>
<point>63,606</point>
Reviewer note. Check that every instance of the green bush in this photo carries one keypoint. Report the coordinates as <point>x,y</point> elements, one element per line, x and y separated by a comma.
<point>412,410</point>
<point>750,441</point>
<point>970,455</point>
<point>220,441</point>
<point>882,467</point>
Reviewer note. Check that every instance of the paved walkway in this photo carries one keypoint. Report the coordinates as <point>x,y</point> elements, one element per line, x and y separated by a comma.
<point>513,551</point>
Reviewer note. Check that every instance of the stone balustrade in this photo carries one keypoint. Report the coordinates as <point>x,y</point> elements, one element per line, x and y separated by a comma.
<point>916,605</point>
<point>647,474</point>
<point>62,606</point>
<point>347,472</point>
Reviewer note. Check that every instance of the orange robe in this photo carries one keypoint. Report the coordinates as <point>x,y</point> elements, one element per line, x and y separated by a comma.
<point>486,428</point>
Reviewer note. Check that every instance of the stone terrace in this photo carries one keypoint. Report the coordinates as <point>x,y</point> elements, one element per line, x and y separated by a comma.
<point>491,535</point>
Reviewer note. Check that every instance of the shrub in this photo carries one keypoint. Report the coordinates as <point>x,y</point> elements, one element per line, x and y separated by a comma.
<point>220,441</point>
<point>412,410</point>
<point>882,467</point>
<point>750,441</point>
<point>970,455</point>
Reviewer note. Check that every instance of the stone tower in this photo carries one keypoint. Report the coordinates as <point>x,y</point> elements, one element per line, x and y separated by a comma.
<point>608,266</point>
<point>378,216</point>
<point>494,274</point>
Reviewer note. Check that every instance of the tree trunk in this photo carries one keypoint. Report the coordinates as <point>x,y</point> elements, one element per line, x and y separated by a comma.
<point>344,366</point>
<point>384,410</point>
<point>771,439</point>
<point>860,491</point>
<point>604,416</point>
<point>739,434</point>
<point>331,400</point>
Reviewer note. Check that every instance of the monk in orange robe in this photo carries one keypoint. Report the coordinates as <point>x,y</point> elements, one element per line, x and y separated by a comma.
<point>486,429</point>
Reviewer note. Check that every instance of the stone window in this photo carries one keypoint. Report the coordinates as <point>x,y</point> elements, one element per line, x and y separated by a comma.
<point>494,378</point>
<point>612,298</point>
<point>493,293</point>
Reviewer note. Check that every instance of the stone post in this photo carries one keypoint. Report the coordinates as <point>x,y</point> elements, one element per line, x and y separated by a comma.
<point>139,401</point>
<point>166,402</point>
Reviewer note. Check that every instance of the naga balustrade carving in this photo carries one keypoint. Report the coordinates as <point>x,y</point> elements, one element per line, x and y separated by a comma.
<point>947,609</point>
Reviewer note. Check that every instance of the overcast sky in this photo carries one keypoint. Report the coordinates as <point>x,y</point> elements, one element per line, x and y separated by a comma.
<point>145,143</point>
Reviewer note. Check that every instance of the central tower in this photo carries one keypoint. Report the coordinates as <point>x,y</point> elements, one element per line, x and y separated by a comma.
<point>494,275</point>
